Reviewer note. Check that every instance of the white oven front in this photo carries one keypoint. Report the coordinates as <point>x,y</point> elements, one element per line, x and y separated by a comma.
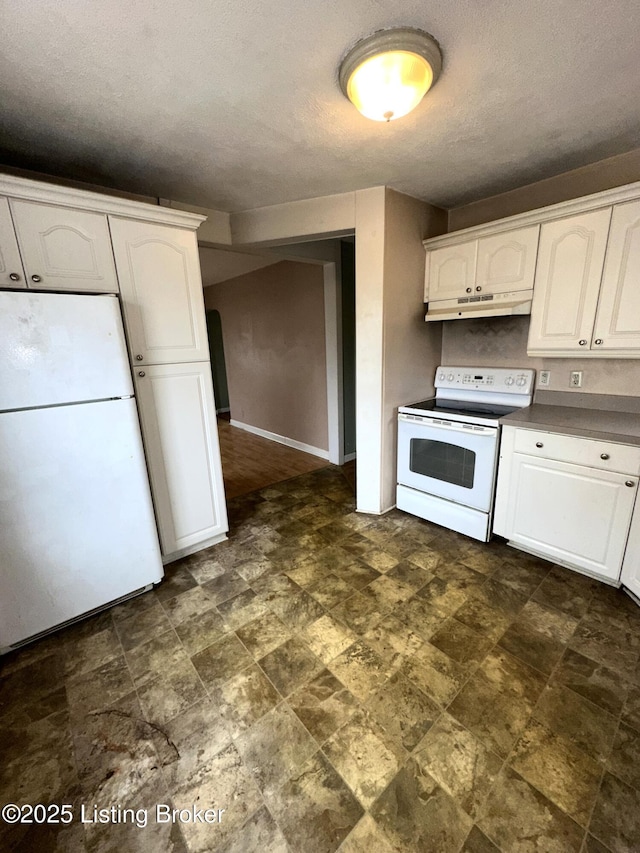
<point>448,459</point>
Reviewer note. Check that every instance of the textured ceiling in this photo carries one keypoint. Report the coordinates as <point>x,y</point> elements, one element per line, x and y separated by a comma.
<point>234,105</point>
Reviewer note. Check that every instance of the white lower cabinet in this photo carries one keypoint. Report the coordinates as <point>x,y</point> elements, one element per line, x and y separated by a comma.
<point>630,576</point>
<point>576,515</point>
<point>178,418</point>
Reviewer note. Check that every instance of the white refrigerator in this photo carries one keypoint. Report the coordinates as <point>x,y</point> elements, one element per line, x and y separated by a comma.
<point>77,529</point>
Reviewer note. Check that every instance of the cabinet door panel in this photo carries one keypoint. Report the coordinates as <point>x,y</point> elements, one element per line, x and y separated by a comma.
<point>618,319</point>
<point>65,249</point>
<point>180,434</point>
<point>161,288</point>
<point>451,271</point>
<point>568,275</point>
<point>507,262</point>
<point>571,514</point>
<point>10,261</point>
<point>630,576</point>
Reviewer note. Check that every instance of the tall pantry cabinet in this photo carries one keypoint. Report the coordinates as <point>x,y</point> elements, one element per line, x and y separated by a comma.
<point>55,238</point>
<point>161,290</point>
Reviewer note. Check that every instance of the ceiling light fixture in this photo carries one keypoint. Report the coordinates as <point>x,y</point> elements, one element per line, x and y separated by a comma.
<point>386,75</point>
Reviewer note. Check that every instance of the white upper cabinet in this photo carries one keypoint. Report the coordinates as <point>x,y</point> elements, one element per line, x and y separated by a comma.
<point>567,283</point>
<point>11,271</point>
<point>501,263</point>
<point>451,271</point>
<point>161,289</point>
<point>507,261</point>
<point>617,325</point>
<point>63,248</point>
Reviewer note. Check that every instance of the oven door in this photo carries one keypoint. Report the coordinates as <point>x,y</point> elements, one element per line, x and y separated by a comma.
<point>448,459</point>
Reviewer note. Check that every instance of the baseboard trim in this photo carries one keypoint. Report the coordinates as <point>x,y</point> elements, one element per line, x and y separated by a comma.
<point>349,457</point>
<point>282,439</point>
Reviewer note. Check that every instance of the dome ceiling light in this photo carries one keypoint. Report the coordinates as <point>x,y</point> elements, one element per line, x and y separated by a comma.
<point>386,75</point>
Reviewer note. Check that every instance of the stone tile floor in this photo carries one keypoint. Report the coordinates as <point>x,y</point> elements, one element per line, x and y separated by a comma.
<point>335,681</point>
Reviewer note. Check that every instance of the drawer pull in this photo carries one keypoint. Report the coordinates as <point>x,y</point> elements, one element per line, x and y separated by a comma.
<point>599,341</point>
<point>630,483</point>
<point>604,456</point>
<point>14,276</point>
<point>36,278</point>
<point>582,343</point>
<point>468,290</point>
<point>539,444</point>
<point>141,373</point>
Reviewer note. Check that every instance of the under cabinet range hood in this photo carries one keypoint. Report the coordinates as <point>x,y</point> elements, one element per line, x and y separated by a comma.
<point>487,305</point>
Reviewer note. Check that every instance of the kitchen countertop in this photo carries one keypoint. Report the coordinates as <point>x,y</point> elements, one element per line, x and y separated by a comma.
<point>605,425</point>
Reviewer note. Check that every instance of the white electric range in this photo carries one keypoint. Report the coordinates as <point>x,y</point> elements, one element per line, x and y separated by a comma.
<point>448,446</point>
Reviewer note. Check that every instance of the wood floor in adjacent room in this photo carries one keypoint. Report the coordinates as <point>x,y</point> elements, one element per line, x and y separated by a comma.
<point>250,462</point>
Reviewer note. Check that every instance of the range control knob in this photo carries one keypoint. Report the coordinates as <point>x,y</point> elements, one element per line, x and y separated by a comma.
<point>450,377</point>
<point>521,381</point>
<point>441,376</point>
<point>508,380</point>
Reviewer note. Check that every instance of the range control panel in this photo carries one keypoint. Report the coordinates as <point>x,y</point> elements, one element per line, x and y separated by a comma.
<point>504,380</point>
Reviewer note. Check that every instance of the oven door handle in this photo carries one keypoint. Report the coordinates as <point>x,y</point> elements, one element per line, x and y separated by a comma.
<point>451,426</point>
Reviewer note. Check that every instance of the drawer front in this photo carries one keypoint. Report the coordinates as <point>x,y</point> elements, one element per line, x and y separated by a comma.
<point>604,455</point>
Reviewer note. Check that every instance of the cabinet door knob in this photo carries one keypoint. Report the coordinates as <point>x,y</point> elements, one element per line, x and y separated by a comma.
<point>630,483</point>
<point>539,444</point>
<point>598,341</point>
<point>582,343</point>
<point>14,276</point>
<point>604,456</point>
<point>36,278</point>
<point>469,290</point>
<point>478,288</point>
<point>138,358</point>
<point>141,373</point>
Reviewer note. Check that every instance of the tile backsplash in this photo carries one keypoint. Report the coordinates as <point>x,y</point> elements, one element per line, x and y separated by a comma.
<point>502,342</point>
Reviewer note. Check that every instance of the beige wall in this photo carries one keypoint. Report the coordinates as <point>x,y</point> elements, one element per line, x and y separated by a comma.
<point>613,172</point>
<point>502,342</point>
<point>396,354</point>
<point>274,341</point>
<point>412,348</point>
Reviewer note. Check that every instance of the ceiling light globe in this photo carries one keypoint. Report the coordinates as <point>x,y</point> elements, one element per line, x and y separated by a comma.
<point>386,75</point>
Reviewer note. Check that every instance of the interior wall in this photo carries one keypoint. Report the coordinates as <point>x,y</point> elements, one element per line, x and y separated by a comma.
<point>274,338</point>
<point>348,305</point>
<point>603,175</point>
<point>412,348</point>
<point>370,224</point>
<point>502,342</point>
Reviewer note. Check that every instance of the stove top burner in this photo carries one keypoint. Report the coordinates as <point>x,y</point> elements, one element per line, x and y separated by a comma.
<point>462,407</point>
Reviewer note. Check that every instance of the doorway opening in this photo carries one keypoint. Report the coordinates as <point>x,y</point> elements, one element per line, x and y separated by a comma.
<point>274,333</point>
<point>218,364</point>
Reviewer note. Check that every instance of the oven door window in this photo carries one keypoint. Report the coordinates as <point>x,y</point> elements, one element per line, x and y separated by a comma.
<point>441,460</point>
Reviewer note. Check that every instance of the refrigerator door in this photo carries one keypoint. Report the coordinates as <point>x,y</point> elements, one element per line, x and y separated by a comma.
<point>60,348</point>
<point>77,528</point>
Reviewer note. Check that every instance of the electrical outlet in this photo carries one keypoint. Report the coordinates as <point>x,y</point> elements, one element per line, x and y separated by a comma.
<point>544,378</point>
<point>575,380</point>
